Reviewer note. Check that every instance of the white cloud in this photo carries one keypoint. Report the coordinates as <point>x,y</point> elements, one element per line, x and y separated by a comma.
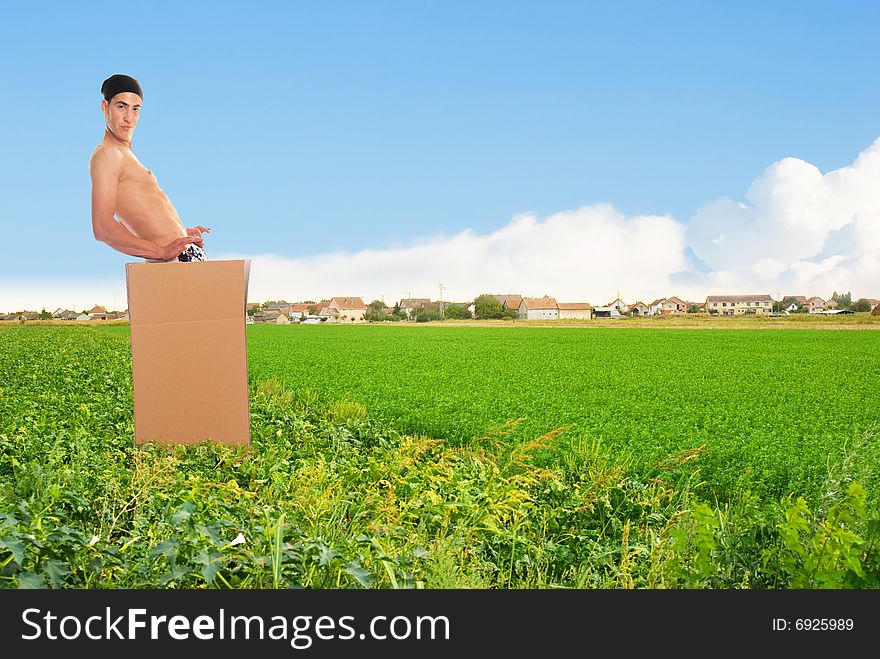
<point>71,293</point>
<point>580,255</point>
<point>801,233</point>
<point>797,232</point>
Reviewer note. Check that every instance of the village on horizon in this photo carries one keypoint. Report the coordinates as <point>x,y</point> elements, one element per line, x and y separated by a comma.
<point>348,309</point>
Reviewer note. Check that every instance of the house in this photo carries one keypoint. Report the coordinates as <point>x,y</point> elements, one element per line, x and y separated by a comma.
<point>575,310</point>
<point>83,316</point>
<point>815,304</point>
<point>638,309</point>
<point>298,309</point>
<point>620,305</point>
<point>349,309</point>
<point>509,301</point>
<point>792,303</point>
<point>656,307</point>
<point>673,306</point>
<point>539,308</point>
<point>735,305</point>
<point>328,314</point>
<point>279,306</point>
<point>98,313</point>
<point>282,319</point>
<point>410,304</point>
<point>606,312</point>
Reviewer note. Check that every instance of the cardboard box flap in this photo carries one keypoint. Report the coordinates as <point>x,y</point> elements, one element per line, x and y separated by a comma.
<point>177,292</point>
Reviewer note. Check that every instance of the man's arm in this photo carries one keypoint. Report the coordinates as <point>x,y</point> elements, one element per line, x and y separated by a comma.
<point>105,168</point>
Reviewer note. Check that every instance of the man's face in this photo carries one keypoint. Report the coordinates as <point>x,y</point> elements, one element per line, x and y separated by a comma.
<point>122,114</point>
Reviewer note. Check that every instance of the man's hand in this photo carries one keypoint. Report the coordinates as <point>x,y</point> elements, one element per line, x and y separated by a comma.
<point>173,249</point>
<point>198,232</point>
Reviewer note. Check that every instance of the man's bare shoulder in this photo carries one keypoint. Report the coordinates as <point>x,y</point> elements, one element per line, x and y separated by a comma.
<point>106,156</point>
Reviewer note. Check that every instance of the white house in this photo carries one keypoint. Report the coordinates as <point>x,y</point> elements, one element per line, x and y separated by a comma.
<point>620,305</point>
<point>656,307</point>
<point>539,308</point>
<point>791,302</point>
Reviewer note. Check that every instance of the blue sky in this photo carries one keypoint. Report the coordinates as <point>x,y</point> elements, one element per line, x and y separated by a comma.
<point>298,129</point>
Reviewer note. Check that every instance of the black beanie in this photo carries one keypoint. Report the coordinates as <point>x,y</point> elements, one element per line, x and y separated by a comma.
<point>118,83</point>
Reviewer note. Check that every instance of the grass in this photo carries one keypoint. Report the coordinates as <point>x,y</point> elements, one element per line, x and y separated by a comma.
<point>329,495</point>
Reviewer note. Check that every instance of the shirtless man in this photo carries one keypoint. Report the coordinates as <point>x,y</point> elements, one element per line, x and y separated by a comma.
<point>123,188</point>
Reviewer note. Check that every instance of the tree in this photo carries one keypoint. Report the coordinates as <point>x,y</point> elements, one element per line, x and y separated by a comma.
<point>487,306</point>
<point>778,306</point>
<point>375,311</point>
<point>694,309</point>
<point>46,315</point>
<point>422,315</point>
<point>458,311</point>
<point>509,314</point>
<point>861,304</point>
<point>844,300</point>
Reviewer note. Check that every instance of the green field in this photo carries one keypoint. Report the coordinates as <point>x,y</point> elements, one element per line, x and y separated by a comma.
<point>440,456</point>
<point>770,408</point>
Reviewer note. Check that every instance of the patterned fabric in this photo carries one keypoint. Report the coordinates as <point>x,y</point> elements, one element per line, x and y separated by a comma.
<point>192,253</point>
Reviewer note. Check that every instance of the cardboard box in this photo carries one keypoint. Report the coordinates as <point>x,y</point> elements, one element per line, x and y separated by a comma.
<point>189,351</point>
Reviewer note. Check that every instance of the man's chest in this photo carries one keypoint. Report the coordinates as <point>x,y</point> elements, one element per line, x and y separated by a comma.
<point>134,172</point>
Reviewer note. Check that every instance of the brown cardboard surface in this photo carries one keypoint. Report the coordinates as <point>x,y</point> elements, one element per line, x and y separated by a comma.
<point>189,351</point>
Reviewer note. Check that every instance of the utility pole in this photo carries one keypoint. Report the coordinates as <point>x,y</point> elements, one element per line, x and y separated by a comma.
<point>408,298</point>
<point>441,302</point>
